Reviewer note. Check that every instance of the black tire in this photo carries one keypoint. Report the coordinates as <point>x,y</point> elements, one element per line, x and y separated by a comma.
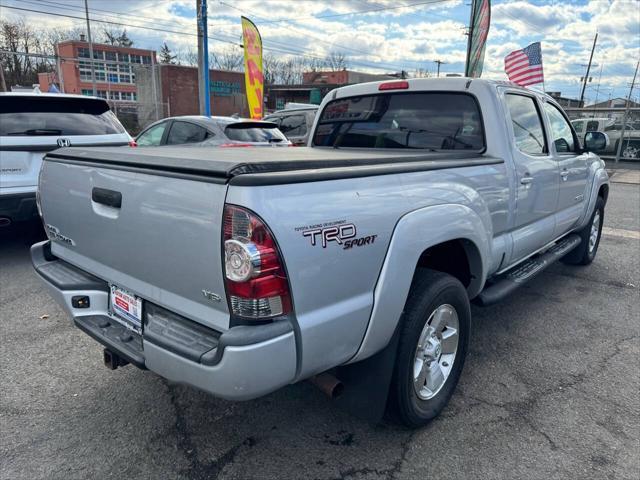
<point>430,290</point>
<point>583,254</point>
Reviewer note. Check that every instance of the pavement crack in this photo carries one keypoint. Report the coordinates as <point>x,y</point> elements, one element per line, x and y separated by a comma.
<point>196,468</point>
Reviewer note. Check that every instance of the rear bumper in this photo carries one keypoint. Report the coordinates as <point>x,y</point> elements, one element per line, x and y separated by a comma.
<point>18,206</point>
<point>242,363</point>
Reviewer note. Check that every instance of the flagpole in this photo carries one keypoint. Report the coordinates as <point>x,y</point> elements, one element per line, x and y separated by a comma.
<point>470,37</point>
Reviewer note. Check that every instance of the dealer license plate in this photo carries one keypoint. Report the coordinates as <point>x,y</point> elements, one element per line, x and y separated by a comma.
<point>127,306</point>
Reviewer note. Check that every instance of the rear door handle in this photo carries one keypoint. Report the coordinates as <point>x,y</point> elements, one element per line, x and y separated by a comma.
<point>564,174</point>
<point>110,198</point>
<point>526,180</point>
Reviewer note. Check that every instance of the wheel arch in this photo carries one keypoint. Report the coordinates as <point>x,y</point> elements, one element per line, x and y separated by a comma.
<point>427,238</point>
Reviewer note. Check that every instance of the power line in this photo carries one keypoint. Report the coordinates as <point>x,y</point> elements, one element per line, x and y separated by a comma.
<point>122,24</point>
<point>389,65</point>
<point>287,50</point>
<point>333,15</point>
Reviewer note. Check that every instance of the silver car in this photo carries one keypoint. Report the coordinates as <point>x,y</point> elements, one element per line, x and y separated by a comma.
<point>198,130</point>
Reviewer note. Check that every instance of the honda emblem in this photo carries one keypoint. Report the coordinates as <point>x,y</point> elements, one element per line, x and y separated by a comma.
<point>64,142</point>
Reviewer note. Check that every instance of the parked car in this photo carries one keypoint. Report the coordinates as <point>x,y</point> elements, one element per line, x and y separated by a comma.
<point>198,130</point>
<point>295,122</point>
<point>31,124</point>
<point>352,261</point>
<point>613,129</point>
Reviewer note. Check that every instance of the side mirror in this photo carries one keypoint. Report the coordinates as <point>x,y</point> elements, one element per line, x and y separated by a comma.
<point>595,141</point>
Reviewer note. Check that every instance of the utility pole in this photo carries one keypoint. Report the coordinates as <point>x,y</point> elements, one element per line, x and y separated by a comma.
<point>439,62</point>
<point>93,70</point>
<point>586,77</point>
<point>3,84</point>
<point>203,59</point>
<point>626,113</point>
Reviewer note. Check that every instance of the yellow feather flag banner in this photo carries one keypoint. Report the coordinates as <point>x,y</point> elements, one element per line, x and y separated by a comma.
<point>253,73</point>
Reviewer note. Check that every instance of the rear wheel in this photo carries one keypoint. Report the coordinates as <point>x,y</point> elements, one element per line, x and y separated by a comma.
<point>432,347</point>
<point>590,235</point>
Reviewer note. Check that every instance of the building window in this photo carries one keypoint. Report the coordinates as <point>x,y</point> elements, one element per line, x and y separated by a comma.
<point>83,52</point>
<point>85,70</point>
<point>111,56</point>
<point>146,59</point>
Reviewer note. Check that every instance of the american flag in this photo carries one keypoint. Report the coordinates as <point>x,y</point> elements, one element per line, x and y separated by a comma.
<point>524,67</point>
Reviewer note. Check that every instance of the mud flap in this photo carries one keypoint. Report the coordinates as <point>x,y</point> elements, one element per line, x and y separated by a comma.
<point>367,383</point>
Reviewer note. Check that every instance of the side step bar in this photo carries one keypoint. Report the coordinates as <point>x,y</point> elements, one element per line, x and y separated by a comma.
<point>504,284</point>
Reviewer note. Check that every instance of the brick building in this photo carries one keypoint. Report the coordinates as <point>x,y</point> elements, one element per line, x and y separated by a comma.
<point>315,85</point>
<point>114,69</point>
<point>343,77</point>
<point>176,89</point>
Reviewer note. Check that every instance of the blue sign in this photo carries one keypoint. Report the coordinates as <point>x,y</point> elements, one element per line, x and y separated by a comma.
<point>224,89</point>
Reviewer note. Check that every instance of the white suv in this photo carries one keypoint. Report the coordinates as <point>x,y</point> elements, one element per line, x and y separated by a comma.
<point>32,124</point>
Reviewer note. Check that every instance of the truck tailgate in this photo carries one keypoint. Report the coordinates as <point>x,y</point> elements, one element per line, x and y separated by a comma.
<point>163,243</point>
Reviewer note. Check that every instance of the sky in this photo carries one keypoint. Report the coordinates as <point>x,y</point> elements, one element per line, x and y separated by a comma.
<point>381,36</point>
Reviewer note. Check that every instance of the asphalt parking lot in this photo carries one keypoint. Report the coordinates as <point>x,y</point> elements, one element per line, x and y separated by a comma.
<point>551,389</point>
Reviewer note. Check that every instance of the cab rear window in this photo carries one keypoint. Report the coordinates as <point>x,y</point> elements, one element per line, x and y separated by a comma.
<point>424,120</point>
<point>41,116</point>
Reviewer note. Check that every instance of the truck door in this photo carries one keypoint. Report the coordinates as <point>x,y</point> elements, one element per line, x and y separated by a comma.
<point>537,177</point>
<point>572,165</point>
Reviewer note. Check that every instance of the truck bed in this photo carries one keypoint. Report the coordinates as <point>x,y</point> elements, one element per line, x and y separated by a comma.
<point>286,165</point>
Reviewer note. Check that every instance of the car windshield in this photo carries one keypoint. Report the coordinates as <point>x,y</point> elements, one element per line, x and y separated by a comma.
<point>34,115</point>
<point>425,120</point>
<point>253,132</point>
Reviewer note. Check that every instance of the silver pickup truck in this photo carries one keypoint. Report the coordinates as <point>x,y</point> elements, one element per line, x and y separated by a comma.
<point>351,262</point>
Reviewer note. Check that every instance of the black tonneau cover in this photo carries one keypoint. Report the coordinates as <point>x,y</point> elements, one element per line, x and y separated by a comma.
<point>299,163</point>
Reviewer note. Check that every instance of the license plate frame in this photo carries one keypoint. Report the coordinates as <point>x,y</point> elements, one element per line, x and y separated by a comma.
<point>125,307</point>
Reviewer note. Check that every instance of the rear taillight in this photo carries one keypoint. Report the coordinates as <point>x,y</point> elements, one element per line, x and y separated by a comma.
<point>256,280</point>
<point>132,143</point>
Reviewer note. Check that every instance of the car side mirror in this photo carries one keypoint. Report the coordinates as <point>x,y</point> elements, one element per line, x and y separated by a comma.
<point>595,141</point>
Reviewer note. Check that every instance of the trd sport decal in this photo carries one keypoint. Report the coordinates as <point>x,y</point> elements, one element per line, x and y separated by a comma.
<point>339,232</point>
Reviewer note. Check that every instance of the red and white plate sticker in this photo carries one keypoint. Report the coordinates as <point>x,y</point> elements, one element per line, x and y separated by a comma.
<point>126,305</point>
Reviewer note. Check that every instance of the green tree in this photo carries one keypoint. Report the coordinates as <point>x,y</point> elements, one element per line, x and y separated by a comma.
<point>166,55</point>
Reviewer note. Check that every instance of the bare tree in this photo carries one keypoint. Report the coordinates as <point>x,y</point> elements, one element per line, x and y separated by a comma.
<point>422,73</point>
<point>113,36</point>
<point>187,57</point>
<point>336,61</point>
<point>231,59</point>
<point>30,52</point>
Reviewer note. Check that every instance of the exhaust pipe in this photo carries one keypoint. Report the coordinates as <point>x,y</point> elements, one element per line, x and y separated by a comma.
<point>328,384</point>
<point>112,360</point>
<point>5,221</point>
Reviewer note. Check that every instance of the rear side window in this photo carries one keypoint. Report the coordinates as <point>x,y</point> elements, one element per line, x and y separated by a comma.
<point>592,126</point>
<point>185,132</point>
<point>294,125</point>
<point>275,120</point>
<point>249,132</point>
<point>153,136</point>
<point>426,120</point>
<point>527,124</point>
<point>30,116</point>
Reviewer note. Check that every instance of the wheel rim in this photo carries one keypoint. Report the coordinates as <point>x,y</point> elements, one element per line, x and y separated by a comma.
<point>595,230</point>
<point>435,352</point>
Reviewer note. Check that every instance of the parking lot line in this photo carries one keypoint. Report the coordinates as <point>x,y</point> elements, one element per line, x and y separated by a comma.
<point>618,232</point>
